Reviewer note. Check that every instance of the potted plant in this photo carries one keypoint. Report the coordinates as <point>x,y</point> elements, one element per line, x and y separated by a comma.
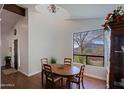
<point>8,60</point>
<point>53,60</point>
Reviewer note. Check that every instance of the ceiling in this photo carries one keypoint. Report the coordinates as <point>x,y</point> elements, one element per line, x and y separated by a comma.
<point>85,11</point>
<point>27,5</point>
<point>76,11</point>
<point>9,19</point>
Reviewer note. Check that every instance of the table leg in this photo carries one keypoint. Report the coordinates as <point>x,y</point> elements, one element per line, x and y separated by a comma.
<point>68,83</point>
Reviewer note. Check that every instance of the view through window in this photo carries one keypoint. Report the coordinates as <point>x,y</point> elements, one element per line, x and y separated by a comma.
<point>88,47</point>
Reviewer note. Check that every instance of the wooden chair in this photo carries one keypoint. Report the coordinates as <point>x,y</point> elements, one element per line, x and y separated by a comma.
<point>67,60</point>
<point>43,61</point>
<point>50,77</point>
<point>78,78</point>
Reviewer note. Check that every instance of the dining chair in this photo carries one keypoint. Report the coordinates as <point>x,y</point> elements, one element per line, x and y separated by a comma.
<point>50,77</point>
<point>43,61</point>
<point>78,78</point>
<point>67,60</point>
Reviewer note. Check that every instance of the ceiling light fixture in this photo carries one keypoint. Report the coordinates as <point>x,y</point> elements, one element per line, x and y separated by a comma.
<point>52,8</point>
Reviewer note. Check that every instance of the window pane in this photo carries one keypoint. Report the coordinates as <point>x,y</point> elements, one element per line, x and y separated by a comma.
<point>95,61</point>
<point>87,44</point>
<point>80,59</point>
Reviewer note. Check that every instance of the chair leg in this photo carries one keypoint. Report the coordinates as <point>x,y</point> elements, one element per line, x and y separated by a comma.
<point>53,85</point>
<point>42,76</point>
<point>67,84</point>
<point>62,82</point>
<point>83,85</point>
<point>48,84</point>
<point>79,85</point>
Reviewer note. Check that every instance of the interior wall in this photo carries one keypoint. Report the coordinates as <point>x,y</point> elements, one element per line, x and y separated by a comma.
<point>22,35</point>
<point>8,38</point>
<point>8,21</point>
<point>0,50</point>
<point>44,33</point>
<point>5,44</point>
<point>53,38</point>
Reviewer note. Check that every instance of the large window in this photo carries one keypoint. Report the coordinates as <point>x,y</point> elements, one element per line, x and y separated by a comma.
<point>88,47</point>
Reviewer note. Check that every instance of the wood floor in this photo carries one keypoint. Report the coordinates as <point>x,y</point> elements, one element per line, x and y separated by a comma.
<point>20,81</point>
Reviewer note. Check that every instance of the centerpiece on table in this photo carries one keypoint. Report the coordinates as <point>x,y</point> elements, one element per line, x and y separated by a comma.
<point>53,60</point>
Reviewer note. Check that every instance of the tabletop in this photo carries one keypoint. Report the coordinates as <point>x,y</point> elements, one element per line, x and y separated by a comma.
<point>65,70</point>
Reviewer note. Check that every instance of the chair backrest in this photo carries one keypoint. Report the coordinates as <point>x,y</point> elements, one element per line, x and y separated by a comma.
<point>67,60</point>
<point>48,72</point>
<point>81,73</point>
<point>44,61</point>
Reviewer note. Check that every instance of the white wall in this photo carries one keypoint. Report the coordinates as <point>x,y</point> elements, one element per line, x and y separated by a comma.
<point>8,38</point>
<point>5,44</point>
<point>8,21</point>
<point>44,34</point>
<point>53,37</point>
<point>22,35</point>
<point>0,50</point>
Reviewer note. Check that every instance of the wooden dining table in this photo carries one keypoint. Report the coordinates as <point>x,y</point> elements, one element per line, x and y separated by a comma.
<point>66,71</point>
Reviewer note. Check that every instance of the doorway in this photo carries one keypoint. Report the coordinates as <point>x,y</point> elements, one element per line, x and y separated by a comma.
<point>16,53</point>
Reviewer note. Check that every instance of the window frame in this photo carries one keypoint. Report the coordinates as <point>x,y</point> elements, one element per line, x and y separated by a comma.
<point>94,55</point>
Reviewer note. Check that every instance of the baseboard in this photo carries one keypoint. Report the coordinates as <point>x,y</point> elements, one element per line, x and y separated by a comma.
<point>31,74</point>
<point>28,75</point>
<point>23,72</point>
<point>93,76</point>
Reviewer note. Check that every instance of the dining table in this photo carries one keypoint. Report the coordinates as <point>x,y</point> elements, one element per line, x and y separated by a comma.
<point>66,71</point>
